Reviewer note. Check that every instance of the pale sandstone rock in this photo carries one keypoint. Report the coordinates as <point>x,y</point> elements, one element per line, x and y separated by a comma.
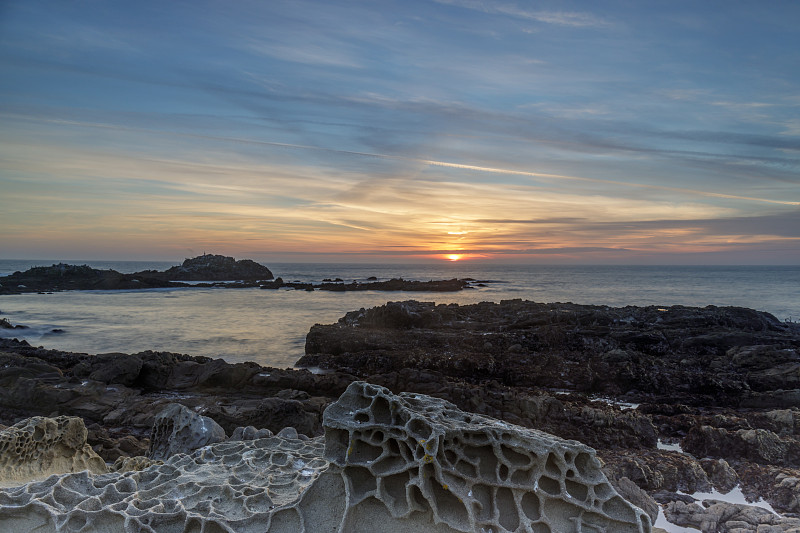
<point>124,464</point>
<point>38,447</point>
<point>395,464</point>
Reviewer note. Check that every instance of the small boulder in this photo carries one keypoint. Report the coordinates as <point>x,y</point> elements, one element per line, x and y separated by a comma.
<point>178,429</point>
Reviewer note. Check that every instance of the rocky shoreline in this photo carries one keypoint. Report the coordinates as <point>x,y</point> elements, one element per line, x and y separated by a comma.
<point>203,271</point>
<point>675,400</point>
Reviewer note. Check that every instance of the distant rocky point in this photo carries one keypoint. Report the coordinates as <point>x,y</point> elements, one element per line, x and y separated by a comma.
<point>395,284</point>
<point>209,267</point>
<point>214,270</point>
<point>61,277</point>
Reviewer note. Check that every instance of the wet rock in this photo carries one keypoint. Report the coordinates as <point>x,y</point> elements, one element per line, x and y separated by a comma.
<point>720,473</point>
<point>5,324</point>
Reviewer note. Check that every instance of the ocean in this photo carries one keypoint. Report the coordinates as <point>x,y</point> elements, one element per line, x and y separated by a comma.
<point>269,326</point>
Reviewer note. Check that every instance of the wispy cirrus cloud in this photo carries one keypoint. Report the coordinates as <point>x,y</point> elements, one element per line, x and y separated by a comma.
<point>320,53</point>
<point>558,18</point>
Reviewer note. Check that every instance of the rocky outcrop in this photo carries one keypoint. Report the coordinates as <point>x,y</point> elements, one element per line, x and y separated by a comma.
<point>209,270</point>
<point>38,447</point>
<point>413,453</point>
<point>237,486</point>
<point>209,267</point>
<point>697,356</point>
<point>5,324</point>
<point>119,395</point>
<point>674,399</point>
<point>398,464</point>
<point>177,429</point>
<point>64,277</point>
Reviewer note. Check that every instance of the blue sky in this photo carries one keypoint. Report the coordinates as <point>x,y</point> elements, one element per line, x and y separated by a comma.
<point>543,132</point>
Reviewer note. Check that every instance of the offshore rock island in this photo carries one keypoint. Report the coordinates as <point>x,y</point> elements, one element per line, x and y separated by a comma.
<point>203,271</point>
<point>428,418</point>
<point>62,276</point>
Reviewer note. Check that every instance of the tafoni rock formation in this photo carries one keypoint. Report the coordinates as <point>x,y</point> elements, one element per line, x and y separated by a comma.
<point>406,463</point>
<point>40,446</point>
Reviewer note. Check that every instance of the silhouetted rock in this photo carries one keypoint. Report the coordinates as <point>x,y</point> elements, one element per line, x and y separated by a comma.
<point>61,277</point>
<point>398,284</point>
<point>210,267</point>
<point>5,324</point>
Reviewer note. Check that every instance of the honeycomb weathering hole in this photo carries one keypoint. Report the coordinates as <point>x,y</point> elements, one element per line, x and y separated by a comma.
<point>473,472</point>
<point>390,463</point>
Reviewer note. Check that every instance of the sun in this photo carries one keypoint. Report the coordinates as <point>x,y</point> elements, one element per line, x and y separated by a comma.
<point>454,257</point>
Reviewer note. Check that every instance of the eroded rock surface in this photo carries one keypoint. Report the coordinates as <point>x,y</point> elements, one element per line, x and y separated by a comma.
<point>40,446</point>
<point>416,453</point>
<point>232,486</point>
<point>396,464</point>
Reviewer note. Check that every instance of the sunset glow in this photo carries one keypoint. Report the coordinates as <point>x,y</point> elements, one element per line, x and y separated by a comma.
<point>328,132</point>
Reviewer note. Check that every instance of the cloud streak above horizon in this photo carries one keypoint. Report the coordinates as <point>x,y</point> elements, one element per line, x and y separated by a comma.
<point>302,129</point>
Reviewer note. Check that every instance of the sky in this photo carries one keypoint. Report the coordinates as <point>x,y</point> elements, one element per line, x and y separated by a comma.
<point>596,132</point>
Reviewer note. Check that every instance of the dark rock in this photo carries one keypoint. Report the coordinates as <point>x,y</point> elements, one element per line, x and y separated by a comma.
<point>177,429</point>
<point>398,284</point>
<point>756,445</point>
<point>665,496</point>
<point>656,470</point>
<point>5,324</point>
<point>210,267</point>
<point>720,473</point>
<point>680,354</point>
<point>110,368</point>
<point>60,277</point>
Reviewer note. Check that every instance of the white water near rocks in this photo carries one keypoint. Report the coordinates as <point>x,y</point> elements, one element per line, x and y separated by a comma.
<point>269,326</point>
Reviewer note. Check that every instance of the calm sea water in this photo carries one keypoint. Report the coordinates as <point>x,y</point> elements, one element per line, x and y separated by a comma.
<point>269,327</point>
